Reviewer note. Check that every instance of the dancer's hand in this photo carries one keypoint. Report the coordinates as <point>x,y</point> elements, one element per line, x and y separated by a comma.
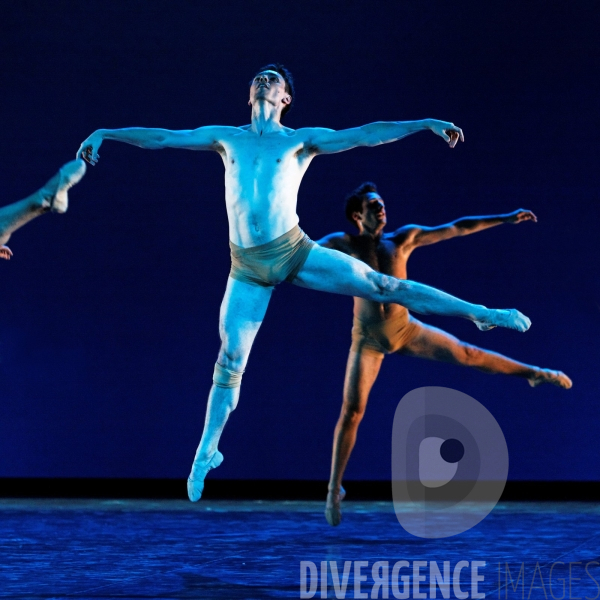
<point>89,148</point>
<point>449,131</point>
<point>5,252</point>
<point>520,215</point>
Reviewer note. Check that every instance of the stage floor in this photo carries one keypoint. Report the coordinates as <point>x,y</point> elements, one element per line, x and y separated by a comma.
<point>250,549</point>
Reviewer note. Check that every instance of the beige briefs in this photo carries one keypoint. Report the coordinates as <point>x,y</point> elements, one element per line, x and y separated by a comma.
<point>269,264</point>
<point>384,336</point>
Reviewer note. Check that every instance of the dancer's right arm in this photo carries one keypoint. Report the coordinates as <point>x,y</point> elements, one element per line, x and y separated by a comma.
<point>203,138</point>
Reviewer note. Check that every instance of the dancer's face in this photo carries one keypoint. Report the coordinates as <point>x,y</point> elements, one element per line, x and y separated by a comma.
<point>373,214</point>
<point>269,86</point>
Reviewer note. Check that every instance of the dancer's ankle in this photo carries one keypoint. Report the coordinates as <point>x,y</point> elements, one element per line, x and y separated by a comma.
<point>41,201</point>
<point>203,457</point>
<point>481,313</point>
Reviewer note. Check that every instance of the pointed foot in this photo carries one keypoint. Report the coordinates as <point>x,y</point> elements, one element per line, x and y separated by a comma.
<point>557,378</point>
<point>195,482</point>
<point>333,510</point>
<point>54,193</point>
<point>512,319</point>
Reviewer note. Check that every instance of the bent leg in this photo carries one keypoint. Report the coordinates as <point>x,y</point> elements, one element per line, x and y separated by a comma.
<point>332,271</point>
<point>361,372</point>
<point>242,312</point>
<point>435,344</point>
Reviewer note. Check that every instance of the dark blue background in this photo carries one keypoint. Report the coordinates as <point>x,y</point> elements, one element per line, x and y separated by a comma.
<point>108,328</point>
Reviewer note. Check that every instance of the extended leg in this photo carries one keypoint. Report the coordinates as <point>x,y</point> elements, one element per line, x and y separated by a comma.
<point>53,196</point>
<point>435,344</point>
<point>242,312</point>
<point>19,213</point>
<point>331,271</point>
<point>361,372</point>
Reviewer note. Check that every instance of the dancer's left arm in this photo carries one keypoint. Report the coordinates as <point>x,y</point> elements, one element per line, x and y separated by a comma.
<point>421,235</point>
<point>327,141</point>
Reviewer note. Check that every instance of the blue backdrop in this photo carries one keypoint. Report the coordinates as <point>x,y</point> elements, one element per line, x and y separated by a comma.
<point>108,328</point>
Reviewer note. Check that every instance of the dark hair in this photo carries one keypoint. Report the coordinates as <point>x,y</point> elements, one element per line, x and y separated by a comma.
<point>289,82</point>
<point>354,200</point>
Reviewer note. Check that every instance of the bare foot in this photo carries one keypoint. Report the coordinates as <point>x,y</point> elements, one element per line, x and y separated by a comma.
<point>557,378</point>
<point>195,482</point>
<point>5,252</point>
<point>512,319</point>
<point>54,193</point>
<point>333,511</point>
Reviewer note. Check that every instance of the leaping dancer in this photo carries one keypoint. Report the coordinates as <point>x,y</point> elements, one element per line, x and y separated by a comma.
<point>382,328</point>
<point>264,165</point>
<point>51,197</point>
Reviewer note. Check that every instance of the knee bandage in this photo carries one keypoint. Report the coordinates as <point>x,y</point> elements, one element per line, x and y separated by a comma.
<point>227,378</point>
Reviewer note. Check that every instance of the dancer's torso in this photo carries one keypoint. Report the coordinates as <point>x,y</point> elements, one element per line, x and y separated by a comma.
<point>387,256</point>
<point>262,177</point>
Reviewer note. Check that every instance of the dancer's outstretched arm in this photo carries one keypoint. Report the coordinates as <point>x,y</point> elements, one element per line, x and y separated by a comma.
<point>420,235</point>
<point>327,141</point>
<point>203,138</point>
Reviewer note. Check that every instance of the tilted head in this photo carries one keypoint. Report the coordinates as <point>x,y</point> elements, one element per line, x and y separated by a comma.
<point>274,84</point>
<point>365,208</point>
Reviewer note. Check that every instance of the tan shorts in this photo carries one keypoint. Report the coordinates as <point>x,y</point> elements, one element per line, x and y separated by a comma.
<point>269,264</point>
<point>384,337</point>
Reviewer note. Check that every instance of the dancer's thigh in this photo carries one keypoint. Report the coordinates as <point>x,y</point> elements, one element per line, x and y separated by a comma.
<point>435,344</point>
<point>242,312</point>
<point>332,271</point>
<point>362,370</point>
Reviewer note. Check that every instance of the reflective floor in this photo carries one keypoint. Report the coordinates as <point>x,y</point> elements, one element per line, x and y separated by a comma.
<point>251,550</point>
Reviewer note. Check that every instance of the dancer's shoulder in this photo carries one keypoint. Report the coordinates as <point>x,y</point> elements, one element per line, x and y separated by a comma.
<point>337,241</point>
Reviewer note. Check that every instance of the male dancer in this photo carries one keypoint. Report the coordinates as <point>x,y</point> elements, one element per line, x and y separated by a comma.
<point>51,197</point>
<point>264,164</point>
<point>381,328</point>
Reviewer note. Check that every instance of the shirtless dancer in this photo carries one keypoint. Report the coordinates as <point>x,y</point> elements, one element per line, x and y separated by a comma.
<point>51,197</point>
<point>381,328</point>
<point>264,164</point>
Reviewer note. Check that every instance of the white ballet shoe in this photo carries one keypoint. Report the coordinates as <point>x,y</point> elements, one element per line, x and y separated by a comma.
<point>195,486</point>
<point>333,510</point>
<point>55,190</point>
<point>512,319</point>
<point>557,378</point>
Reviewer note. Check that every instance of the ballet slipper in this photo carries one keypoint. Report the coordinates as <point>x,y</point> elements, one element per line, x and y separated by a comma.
<point>333,511</point>
<point>512,319</point>
<point>557,378</point>
<point>56,188</point>
<point>195,485</point>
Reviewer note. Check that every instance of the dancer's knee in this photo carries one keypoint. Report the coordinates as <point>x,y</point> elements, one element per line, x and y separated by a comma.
<point>471,355</point>
<point>227,378</point>
<point>382,287</point>
<point>352,415</point>
<point>232,355</point>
